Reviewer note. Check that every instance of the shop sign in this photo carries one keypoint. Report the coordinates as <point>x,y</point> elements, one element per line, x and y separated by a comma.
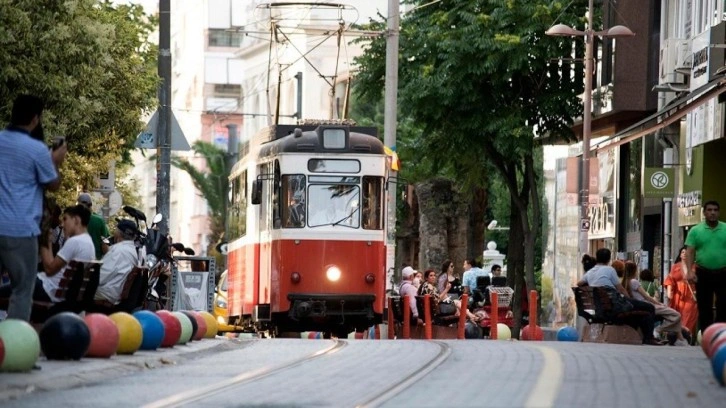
<point>689,208</point>
<point>658,182</point>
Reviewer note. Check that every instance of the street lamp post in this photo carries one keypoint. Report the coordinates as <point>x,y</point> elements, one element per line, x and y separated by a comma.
<point>589,35</point>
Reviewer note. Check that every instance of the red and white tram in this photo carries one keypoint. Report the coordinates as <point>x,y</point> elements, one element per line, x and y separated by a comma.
<point>307,248</point>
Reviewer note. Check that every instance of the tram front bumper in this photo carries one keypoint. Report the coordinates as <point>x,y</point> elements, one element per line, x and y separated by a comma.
<point>305,305</point>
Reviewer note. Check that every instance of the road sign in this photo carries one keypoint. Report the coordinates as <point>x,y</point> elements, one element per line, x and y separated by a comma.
<point>584,224</point>
<point>147,138</point>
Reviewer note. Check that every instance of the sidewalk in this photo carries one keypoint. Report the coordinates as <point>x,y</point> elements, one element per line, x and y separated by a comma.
<point>55,375</point>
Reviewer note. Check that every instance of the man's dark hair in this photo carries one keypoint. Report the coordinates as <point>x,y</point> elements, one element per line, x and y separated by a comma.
<point>25,108</point>
<point>603,255</point>
<point>711,202</point>
<point>79,211</point>
<point>495,267</point>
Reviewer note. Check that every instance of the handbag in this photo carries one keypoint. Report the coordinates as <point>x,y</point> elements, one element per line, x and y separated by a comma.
<point>447,309</point>
<point>605,296</point>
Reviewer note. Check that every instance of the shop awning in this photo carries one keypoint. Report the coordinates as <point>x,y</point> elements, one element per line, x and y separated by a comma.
<point>674,111</point>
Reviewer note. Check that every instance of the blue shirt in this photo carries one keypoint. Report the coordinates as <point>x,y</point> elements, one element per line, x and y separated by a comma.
<point>25,168</point>
<point>469,278</point>
<point>601,275</point>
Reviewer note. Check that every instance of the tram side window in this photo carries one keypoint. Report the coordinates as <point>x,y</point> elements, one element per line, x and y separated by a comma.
<point>372,203</point>
<point>237,212</point>
<point>242,200</point>
<point>293,197</point>
<point>277,203</point>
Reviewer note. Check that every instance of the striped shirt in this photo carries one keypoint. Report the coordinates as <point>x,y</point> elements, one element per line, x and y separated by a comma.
<point>25,168</point>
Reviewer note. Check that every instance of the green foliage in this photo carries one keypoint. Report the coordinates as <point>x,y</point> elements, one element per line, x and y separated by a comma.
<point>92,64</point>
<point>211,182</point>
<point>476,78</point>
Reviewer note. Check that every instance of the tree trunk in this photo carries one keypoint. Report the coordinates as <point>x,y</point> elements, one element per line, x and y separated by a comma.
<point>477,220</point>
<point>515,266</point>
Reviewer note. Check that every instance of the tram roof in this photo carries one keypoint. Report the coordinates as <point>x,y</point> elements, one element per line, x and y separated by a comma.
<point>309,139</point>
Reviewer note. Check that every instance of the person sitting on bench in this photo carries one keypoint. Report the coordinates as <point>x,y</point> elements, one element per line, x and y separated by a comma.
<point>603,274</point>
<point>78,246</point>
<point>118,263</point>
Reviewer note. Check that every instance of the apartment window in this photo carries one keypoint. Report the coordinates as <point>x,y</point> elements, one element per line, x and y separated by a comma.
<point>224,38</point>
<point>231,90</point>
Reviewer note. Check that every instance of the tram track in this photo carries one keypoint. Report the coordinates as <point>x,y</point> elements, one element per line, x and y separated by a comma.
<point>406,382</point>
<point>197,394</point>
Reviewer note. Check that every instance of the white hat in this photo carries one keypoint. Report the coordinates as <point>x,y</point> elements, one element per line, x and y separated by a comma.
<point>407,272</point>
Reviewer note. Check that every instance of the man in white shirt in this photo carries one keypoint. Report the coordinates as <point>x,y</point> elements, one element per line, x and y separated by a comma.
<point>78,246</point>
<point>407,288</point>
<point>118,263</point>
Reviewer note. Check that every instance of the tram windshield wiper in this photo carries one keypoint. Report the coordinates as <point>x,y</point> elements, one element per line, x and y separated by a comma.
<point>347,217</point>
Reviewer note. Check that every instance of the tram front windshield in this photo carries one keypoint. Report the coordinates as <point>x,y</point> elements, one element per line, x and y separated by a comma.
<point>334,200</point>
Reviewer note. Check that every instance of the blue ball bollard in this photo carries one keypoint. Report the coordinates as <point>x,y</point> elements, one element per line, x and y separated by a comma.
<point>718,363</point>
<point>568,333</point>
<point>153,329</point>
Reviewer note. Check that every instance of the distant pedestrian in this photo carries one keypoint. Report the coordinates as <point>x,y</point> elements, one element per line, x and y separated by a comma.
<point>27,167</point>
<point>97,228</point>
<point>682,293</point>
<point>706,247</point>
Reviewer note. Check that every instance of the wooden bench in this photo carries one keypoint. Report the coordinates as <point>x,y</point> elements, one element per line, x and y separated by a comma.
<point>77,287</point>
<point>593,304</point>
<point>443,327</point>
<point>132,294</point>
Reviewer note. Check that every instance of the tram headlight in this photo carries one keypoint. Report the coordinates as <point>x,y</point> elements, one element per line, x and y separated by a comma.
<point>333,273</point>
<point>370,278</point>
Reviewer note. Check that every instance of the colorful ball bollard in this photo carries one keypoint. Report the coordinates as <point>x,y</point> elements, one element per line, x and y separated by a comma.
<point>19,345</point>
<point>718,364</point>
<point>567,333</point>
<point>65,336</point>
<point>193,321</point>
<point>152,328</point>
<point>708,335</point>
<point>211,325</point>
<point>130,333</point>
<point>716,342</point>
<point>503,332</point>
<point>532,334</point>
<point>172,328</point>
<point>104,335</point>
<point>201,326</point>
<point>186,327</point>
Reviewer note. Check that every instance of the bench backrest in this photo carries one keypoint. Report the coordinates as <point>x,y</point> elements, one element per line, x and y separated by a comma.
<point>79,282</point>
<point>134,289</point>
<point>585,303</point>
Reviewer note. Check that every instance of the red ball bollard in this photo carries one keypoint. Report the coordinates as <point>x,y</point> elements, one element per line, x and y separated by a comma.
<point>461,329</point>
<point>427,317</point>
<point>104,335</point>
<point>494,316</point>
<point>172,328</point>
<point>406,318</point>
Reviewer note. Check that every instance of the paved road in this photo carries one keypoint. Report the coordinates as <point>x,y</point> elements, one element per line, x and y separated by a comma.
<point>468,373</point>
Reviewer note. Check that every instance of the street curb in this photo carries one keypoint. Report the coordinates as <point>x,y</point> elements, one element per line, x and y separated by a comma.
<point>54,375</point>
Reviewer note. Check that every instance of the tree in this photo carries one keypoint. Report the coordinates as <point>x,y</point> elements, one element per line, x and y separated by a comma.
<point>476,76</point>
<point>211,182</point>
<point>92,63</point>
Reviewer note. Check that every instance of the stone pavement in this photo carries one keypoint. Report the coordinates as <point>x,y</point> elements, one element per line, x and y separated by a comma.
<point>56,375</point>
<point>477,373</point>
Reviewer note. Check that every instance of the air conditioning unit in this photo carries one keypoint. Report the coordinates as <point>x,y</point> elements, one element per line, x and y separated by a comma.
<point>675,61</point>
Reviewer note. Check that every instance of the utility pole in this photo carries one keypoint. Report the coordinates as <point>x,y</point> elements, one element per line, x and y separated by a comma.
<point>390,124</point>
<point>163,130</point>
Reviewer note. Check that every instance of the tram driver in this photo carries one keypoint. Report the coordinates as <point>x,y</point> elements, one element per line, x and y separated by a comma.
<point>296,212</point>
